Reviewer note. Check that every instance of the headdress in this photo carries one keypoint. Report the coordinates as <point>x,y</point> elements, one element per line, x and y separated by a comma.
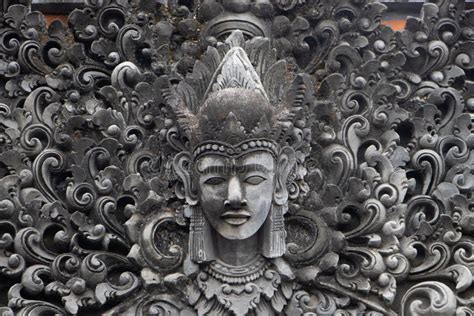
<point>236,95</point>
<point>234,102</point>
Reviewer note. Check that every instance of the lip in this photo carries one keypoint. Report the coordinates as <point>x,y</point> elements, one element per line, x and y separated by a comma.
<point>236,218</point>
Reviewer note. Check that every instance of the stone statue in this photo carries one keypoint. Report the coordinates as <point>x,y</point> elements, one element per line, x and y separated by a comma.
<point>235,180</point>
<point>223,157</point>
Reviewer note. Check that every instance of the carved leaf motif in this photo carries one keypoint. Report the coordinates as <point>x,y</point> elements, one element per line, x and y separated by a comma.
<point>380,218</point>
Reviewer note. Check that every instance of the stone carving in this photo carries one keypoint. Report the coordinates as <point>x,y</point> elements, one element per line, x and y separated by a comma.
<point>237,158</point>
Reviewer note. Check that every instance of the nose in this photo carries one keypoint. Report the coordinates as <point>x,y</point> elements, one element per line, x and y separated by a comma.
<point>235,198</point>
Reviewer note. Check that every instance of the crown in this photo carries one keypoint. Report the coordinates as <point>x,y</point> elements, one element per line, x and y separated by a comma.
<point>237,99</point>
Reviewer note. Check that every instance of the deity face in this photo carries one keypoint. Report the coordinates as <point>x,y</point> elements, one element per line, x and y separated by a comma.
<point>236,194</point>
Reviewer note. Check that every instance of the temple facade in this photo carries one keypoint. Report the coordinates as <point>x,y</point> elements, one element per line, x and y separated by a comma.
<point>224,157</point>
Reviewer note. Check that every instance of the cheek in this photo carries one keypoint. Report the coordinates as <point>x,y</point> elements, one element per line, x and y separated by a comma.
<point>260,195</point>
<point>212,195</point>
<point>211,201</point>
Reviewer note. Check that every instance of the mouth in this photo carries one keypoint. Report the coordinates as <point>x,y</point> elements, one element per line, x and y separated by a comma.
<point>236,218</point>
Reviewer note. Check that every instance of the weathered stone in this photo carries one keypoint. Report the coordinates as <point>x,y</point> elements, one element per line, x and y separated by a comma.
<point>236,158</point>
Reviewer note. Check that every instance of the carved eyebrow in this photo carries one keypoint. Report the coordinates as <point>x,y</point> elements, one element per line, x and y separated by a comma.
<point>235,169</point>
<point>215,169</point>
<point>252,167</point>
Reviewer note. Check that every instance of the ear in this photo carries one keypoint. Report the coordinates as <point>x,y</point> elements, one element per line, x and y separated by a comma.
<point>285,163</point>
<point>182,165</point>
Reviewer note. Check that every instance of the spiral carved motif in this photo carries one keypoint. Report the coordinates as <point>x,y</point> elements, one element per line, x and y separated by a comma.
<point>380,217</point>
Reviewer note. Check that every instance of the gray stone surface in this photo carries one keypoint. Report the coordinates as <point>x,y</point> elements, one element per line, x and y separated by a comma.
<point>285,157</point>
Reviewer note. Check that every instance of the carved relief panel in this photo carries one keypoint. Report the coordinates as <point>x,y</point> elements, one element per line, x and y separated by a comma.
<point>225,157</point>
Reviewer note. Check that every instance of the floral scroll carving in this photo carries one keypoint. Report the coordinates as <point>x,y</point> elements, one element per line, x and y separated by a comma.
<point>371,133</point>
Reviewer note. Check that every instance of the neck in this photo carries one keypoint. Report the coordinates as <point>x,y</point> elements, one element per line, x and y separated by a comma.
<point>237,252</point>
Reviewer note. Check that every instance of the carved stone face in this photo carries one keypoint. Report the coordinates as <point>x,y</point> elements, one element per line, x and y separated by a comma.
<point>233,198</point>
<point>236,194</point>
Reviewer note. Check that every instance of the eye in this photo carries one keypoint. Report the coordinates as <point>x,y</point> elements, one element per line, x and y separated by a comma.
<point>254,180</point>
<point>214,181</point>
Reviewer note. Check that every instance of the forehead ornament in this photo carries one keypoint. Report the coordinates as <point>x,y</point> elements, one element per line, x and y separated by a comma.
<point>237,150</point>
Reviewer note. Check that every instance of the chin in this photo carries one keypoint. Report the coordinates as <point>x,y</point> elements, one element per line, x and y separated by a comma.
<point>236,233</point>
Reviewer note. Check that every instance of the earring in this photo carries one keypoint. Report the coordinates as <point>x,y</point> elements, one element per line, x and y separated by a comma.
<point>278,244</point>
<point>200,241</point>
<point>274,239</point>
<point>196,235</point>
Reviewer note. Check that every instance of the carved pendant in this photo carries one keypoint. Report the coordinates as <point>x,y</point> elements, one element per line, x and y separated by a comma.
<point>254,289</point>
